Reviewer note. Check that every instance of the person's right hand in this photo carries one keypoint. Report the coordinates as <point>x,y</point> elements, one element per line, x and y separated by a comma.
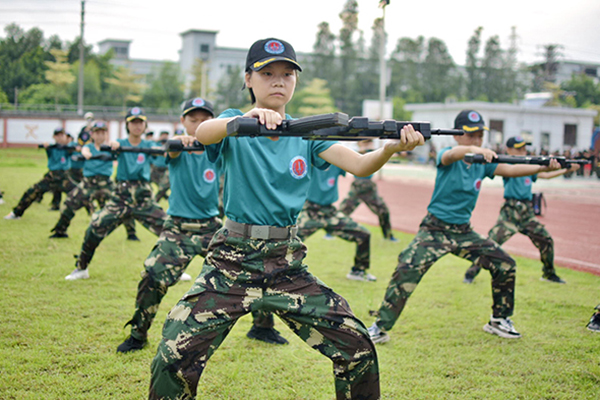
<point>488,154</point>
<point>269,118</point>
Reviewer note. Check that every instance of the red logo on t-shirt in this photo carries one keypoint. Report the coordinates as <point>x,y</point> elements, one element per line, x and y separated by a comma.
<point>209,175</point>
<point>63,160</point>
<point>141,158</point>
<point>330,182</point>
<point>298,167</point>
<point>477,184</point>
<point>528,181</point>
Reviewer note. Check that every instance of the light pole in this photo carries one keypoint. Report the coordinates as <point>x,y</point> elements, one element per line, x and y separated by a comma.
<point>382,74</point>
<point>81,61</point>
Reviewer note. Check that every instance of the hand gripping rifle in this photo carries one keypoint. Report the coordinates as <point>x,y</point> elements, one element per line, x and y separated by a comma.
<point>534,160</point>
<point>69,149</point>
<point>103,157</point>
<point>333,127</point>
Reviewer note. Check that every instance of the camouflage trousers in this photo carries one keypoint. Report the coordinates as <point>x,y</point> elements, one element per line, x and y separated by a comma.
<point>99,188</point>
<point>518,216</point>
<point>180,241</point>
<point>365,190</point>
<point>434,240</point>
<point>131,199</point>
<point>315,216</point>
<point>240,275</point>
<point>51,182</point>
<point>160,177</point>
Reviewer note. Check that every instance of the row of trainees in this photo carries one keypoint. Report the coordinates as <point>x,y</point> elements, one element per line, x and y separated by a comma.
<point>254,263</point>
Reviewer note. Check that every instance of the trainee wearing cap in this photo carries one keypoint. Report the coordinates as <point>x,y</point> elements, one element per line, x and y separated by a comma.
<point>99,125</point>
<point>516,142</point>
<point>58,130</point>
<point>470,121</point>
<point>264,52</point>
<point>135,113</point>
<point>197,103</point>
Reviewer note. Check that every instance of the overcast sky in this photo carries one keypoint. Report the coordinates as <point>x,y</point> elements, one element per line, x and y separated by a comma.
<point>154,27</point>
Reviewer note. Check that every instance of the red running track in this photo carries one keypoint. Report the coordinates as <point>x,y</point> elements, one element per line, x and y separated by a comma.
<point>572,216</point>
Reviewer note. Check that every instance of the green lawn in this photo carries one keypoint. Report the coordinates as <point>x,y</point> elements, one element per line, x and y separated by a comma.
<point>58,338</point>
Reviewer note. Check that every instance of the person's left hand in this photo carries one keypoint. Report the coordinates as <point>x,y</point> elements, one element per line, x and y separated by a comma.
<point>409,139</point>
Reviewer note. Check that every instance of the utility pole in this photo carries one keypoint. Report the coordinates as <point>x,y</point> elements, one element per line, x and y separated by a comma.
<point>382,73</point>
<point>81,61</point>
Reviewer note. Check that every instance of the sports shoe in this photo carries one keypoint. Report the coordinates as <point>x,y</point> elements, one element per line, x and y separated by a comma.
<point>12,215</point>
<point>594,324</point>
<point>377,335</point>
<point>54,208</point>
<point>58,235</point>
<point>393,239</point>
<point>468,279</point>
<point>78,274</point>
<point>358,275</point>
<point>185,277</point>
<point>552,278</point>
<point>131,344</point>
<point>328,236</point>
<point>133,237</point>
<point>1,200</point>
<point>267,335</point>
<point>502,327</point>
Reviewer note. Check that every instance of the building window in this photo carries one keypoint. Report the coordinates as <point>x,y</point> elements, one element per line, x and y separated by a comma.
<point>204,48</point>
<point>545,142</point>
<point>496,132</point>
<point>570,136</point>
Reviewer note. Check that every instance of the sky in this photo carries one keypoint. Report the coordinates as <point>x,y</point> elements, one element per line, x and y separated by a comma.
<point>154,27</point>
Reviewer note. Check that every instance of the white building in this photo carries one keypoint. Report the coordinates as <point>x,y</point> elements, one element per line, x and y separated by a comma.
<point>550,128</point>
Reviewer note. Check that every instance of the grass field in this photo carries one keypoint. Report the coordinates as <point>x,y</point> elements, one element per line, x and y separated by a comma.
<point>58,338</point>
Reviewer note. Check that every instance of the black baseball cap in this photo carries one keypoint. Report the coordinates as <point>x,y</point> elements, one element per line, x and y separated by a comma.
<point>266,51</point>
<point>516,142</point>
<point>151,133</point>
<point>99,125</point>
<point>58,130</point>
<point>135,113</point>
<point>197,103</point>
<point>470,121</point>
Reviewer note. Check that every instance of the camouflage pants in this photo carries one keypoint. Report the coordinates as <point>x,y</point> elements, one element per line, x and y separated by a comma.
<point>240,275</point>
<point>160,177</point>
<point>434,240</point>
<point>52,181</point>
<point>180,241</point>
<point>76,175</point>
<point>365,190</point>
<point>517,216</point>
<point>91,188</point>
<point>315,216</point>
<point>130,199</point>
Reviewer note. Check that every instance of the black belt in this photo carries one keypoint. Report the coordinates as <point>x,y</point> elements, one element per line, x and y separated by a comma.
<point>264,232</point>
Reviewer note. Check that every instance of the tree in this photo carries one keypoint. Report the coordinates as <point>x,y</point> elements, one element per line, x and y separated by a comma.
<point>546,71</point>
<point>127,85</point>
<point>348,55</point>
<point>314,99</point>
<point>438,80</point>
<point>492,72</point>
<point>406,61</point>
<point>199,70</point>
<point>229,90</point>
<point>165,88</point>
<point>21,59</point>
<point>474,79</point>
<point>585,90</point>
<point>59,74</point>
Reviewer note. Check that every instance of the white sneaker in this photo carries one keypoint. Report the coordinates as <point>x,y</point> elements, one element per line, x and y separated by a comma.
<point>364,276</point>
<point>502,327</point>
<point>1,200</point>
<point>185,277</point>
<point>12,216</point>
<point>78,274</point>
<point>328,236</point>
<point>377,335</point>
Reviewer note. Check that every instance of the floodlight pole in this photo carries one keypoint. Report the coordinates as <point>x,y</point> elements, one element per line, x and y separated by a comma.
<point>382,66</point>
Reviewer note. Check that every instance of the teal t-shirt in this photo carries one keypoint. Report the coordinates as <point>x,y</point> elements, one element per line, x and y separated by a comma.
<point>266,181</point>
<point>158,161</point>
<point>323,187</point>
<point>134,166</point>
<point>75,164</point>
<point>97,167</point>
<point>364,177</point>
<point>58,159</point>
<point>194,186</point>
<point>457,188</point>
<point>519,188</point>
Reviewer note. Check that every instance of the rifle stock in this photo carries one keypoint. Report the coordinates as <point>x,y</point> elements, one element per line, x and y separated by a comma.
<point>243,126</point>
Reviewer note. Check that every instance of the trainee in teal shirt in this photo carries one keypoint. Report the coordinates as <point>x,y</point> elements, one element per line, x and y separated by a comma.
<point>134,166</point>
<point>457,188</point>
<point>519,188</point>
<point>97,167</point>
<point>323,188</point>
<point>58,159</point>
<point>194,186</point>
<point>266,181</point>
